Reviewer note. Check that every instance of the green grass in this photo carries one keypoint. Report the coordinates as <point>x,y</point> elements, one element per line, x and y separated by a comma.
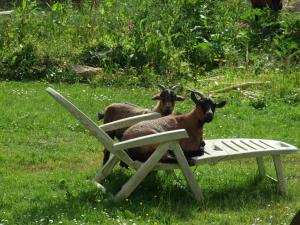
<point>48,161</point>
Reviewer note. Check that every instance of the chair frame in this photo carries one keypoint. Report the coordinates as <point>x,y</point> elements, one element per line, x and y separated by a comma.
<point>215,151</point>
<point>169,141</point>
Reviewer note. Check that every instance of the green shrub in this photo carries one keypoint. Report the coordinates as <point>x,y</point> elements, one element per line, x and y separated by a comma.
<point>182,40</point>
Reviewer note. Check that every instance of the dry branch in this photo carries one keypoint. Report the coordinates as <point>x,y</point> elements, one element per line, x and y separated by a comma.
<point>239,87</point>
<point>6,13</point>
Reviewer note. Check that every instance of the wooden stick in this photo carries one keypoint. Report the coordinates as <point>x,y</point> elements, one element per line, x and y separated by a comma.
<point>6,13</point>
<point>272,178</point>
<point>239,86</point>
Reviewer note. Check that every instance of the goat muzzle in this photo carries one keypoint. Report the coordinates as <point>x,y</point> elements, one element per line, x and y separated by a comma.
<point>208,117</point>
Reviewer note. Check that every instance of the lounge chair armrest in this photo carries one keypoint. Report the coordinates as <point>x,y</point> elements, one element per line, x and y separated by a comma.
<point>127,122</point>
<point>159,138</point>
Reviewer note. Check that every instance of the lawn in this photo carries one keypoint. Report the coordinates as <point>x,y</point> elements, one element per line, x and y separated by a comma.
<point>48,161</point>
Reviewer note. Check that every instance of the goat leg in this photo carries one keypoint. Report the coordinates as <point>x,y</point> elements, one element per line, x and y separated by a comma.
<point>169,158</point>
<point>106,155</point>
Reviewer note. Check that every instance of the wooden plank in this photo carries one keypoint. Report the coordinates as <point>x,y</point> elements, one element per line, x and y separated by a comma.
<point>187,172</point>
<point>6,13</point>
<point>142,172</point>
<point>152,139</point>
<point>127,122</point>
<point>279,173</point>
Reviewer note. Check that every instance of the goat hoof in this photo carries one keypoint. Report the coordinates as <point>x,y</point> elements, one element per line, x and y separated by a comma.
<point>191,162</point>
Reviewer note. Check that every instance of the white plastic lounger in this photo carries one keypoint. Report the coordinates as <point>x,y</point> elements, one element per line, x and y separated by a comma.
<point>215,150</point>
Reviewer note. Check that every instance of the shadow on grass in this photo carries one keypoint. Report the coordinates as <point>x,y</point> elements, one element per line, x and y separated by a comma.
<point>158,195</point>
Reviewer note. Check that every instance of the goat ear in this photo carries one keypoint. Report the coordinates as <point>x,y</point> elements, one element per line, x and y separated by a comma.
<point>156,97</point>
<point>221,104</point>
<point>194,98</point>
<point>180,98</point>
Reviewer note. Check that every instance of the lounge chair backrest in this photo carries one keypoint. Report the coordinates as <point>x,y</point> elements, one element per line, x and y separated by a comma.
<point>90,125</point>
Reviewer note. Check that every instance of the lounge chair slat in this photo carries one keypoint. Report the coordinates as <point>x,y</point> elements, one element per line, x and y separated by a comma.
<point>256,142</point>
<point>234,146</point>
<point>266,143</point>
<point>248,143</point>
<point>237,143</point>
<point>245,144</point>
<point>226,147</point>
<point>212,149</point>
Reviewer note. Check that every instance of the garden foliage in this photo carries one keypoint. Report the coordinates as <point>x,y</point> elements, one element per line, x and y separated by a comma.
<point>138,42</point>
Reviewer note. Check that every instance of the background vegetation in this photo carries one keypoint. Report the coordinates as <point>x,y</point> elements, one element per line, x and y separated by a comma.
<point>139,42</point>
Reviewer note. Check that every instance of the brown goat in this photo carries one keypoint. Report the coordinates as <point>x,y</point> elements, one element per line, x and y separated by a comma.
<point>116,111</point>
<point>192,122</point>
<point>273,4</point>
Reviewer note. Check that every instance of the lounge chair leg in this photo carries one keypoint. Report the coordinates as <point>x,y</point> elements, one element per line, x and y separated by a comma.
<point>106,169</point>
<point>188,174</point>
<point>279,173</point>
<point>141,173</point>
<point>261,166</point>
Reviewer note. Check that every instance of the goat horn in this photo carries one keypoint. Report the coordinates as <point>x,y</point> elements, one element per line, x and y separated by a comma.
<point>162,87</point>
<point>197,92</point>
<point>175,86</point>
